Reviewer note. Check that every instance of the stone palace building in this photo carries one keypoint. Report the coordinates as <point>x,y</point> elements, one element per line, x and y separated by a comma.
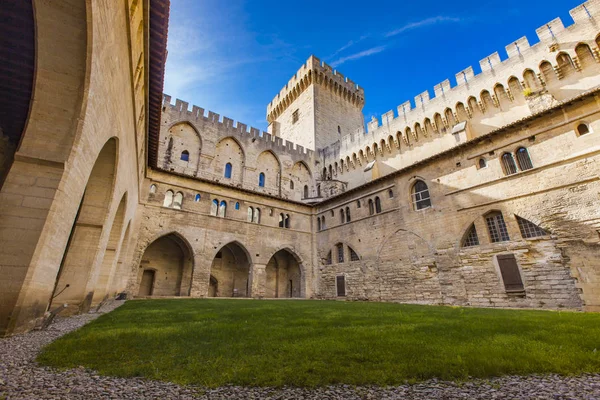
<point>484,192</point>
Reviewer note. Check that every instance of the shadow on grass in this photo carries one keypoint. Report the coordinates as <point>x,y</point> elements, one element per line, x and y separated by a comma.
<point>313,343</point>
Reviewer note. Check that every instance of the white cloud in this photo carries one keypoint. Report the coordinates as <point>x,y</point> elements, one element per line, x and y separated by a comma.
<point>421,24</point>
<point>356,56</point>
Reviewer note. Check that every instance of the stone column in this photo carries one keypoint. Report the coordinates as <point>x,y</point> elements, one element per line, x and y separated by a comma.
<point>258,281</point>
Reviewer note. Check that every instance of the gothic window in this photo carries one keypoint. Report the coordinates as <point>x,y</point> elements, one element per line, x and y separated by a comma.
<point>357,203</point>
<point>529,229</point>
<point>420,195</point>
<point>291,184</point>
<point>261,180</point>
<point>497,227</point>
<point>482,163</point>
<point>377,205</point>
<point>178,200</point>
<point>371,207</point>
<point>250,213</point>
<point>197,198</point>
<point>214,208</point>
<point>582,129</point>
<point>185,156</point>
<point>508,164</point>
<point>305,191</point>
<point>256,216</point>
<point>168,202</point>
<point>295,116</point>
<point>237,205</point>
<point>323,226</point>
<point>223,209</point>
<point>228,170</point>
<point>348,214</point>
<point>281,220</point>
<point>152,189</point>
<point>340,252</point>
<point>471,238</point>
<point>318,190</point>
<point>523,159</point>
<point>353,255</point>
<point>342,216</point>
<point>318,223</point>
<point>287,220</point>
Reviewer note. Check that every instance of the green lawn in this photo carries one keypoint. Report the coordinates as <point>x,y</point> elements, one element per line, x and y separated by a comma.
<point>307,343</point>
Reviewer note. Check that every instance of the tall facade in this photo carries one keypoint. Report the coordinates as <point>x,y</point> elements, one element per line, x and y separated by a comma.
<point>485,194</point>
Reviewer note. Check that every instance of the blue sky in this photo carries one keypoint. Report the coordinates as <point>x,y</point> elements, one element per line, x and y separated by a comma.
<point>233,57</point>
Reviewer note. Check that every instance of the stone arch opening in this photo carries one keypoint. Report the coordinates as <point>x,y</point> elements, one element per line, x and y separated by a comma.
<point>76,276</point>
<point>283,276</point>
<point>230,272</point>
<point>166,267</point>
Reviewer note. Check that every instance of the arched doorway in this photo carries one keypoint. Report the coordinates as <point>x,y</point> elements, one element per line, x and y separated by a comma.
<point>229,272</point>
<point>166,268</point>
<point>76,279</point>
<point>283,276</point>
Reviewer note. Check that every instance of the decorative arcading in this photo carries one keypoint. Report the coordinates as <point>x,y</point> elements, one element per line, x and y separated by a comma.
<point>472,93</point>
<point>315,72</point>
<point>198,114</point>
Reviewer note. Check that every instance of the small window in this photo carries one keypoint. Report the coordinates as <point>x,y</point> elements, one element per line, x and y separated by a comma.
<point>261,180</point>
<point>583,129</point>
<point>153,189</point>
<point>508,163</point>
<point>305,191</point>
<point>511,276</point>
<point>340,252</point>
<point>340,283</point>
<point>250,214</point>
<point>357,203</point>
<point>323,226</point>
<point>391,194</point>
<point>342,216</point>
<point>318,223</point>
<point>523,159</point>
<point>237,205</point>
<point>471,238</point>
<point>291,184</point>
<point>348,214</point>
<point>353,255</point>
<point>497,227</point>
<point>529,229</point>
<point>178,200</point>
<point>223,209</point>
<point>377,205</point>
<point>295,116</point>
<point>214,208</point>
<point>281,220</point>
<point>287,221</point>
<point>420,194</point>
<point>339,130</point>
<point>482,163</point>
<point>197,198</point>
<point>371,207</point>
<point>228,170</point>
<point>318,190</point>
<point>168,202</point>
<point>256,216</point>
<point>185,156</point>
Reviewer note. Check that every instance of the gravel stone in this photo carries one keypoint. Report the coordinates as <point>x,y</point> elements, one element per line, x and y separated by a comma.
<point>22,378</point>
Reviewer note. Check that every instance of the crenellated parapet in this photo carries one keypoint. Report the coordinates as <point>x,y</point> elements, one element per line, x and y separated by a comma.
<point>315,71</point>
<point>563,63</point>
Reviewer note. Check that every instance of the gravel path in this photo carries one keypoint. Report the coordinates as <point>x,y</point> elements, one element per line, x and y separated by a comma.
<point>22,378</point>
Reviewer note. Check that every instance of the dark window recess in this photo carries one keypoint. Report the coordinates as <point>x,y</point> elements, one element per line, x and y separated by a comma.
<point>497,227</point>
<point>529,229</point>
<point>295,117</point>
<point>523,159</point>
<point>340,252</point>
<point>508,162</point>
<point>511,276</point>
<point>353,255</point>
<point>582,129</point>
<point>340,281</point>
<point>471,239</point>
<point>329,258</point>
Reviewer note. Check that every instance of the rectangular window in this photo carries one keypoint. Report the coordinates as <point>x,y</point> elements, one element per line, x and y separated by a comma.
<point>497,228</point>
<point>340,251</point>
<point>511,276</point>
<point>295,117</point>
<point>340,282</point>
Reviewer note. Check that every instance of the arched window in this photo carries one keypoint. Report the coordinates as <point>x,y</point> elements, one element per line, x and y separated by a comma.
<point>287,220</point>
<point>482,163</point>
<point>529,229</point>
<point>582,129</point>
<point>391,194</point>
<point>340,252</point>
<point>420,195</point>
<point>565,65</point>
<point>329,260</point>
<point>250,214</point>
<point>291,184</point>
<point>228,170</point>
<point>197,198</point>
<point>214,207</point>
<point>357,203</point>
<point>281,220</point>
<point>152,189</point>
<point>223,209</point>
<point>496,227</point>
<point>377,205</point>
<point>330,172</point>
<point>323,225</point>
<point>178,200</point>
<point>185,156</point>
<point>319,190</point>
<point>305,191</point>
<point>256,216</point>
<point>261,179</point>
<point>342,216</point>
<point>237,205</point>
<point>318,223</point>
<point>523,159</point>
<point>339,130</point>
<point>371,207</point>
<point>508,164</point>
<point>324,173</point>
<point>348,219</point>
<point>168,202</point>
<point>471,239</point>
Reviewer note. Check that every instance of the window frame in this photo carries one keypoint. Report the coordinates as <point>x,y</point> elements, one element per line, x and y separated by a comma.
<point>523,157</point>
<point>504,159</point>
<point>228,172</point>
<point>185,156</point>
<point>261,179</point>
<point>420,202</point>
<point>499,225</point>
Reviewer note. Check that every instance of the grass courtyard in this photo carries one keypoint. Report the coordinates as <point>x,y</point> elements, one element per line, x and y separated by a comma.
<point>312,343</point>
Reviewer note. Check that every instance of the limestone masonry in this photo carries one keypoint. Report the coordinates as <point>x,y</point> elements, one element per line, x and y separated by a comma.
<point>485,193</point>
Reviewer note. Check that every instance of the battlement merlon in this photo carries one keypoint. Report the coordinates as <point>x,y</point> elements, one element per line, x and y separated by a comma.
<point>315,71</point>
<point>198,115</point>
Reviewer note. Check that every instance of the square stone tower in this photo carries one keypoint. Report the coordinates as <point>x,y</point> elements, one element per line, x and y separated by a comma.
<point>317,107</point>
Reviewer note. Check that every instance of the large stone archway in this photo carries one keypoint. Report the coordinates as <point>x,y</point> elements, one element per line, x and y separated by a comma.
<point>230,272</point>
<point>283,276</point>
<point>166,268</point>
